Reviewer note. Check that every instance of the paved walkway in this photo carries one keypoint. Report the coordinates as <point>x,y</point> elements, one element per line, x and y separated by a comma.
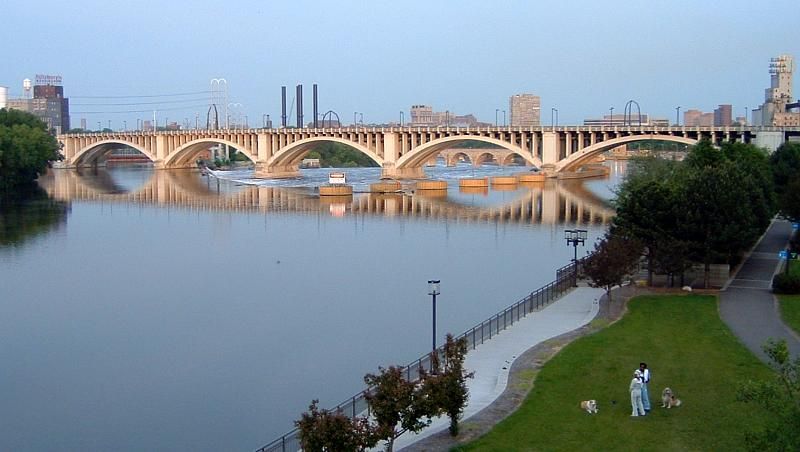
<point>492,360</point>
<point>747,304</point>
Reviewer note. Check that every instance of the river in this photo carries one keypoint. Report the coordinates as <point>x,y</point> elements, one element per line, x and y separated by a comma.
<point>166,310</point>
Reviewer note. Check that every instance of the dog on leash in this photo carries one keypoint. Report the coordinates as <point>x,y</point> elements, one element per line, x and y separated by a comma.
<point>590,406</point>
<point>668,399</point>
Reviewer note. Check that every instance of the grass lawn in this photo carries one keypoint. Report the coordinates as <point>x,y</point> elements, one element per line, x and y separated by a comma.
<point>790,310</point>
<point>687,348</point>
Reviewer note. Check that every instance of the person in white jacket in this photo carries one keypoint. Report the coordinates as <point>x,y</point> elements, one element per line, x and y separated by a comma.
<point>645,388</point>
<point>636,394</point>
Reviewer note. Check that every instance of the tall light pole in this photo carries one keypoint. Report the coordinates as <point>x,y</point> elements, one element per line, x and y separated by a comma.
<point>496,111</point>
<point>575,237</point>
<point>611,116</point>
<point>678,115</point>
<point>355,117</point>
<point>433,286</point>
<point>746,113</point>
<point>401,118</point>
<point>361,118</point>
<point>553,114</point>
<point>124,125</point>
<point>504,118</point>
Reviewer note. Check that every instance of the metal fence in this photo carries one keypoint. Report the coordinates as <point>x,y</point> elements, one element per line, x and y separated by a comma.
<point>566,279</point>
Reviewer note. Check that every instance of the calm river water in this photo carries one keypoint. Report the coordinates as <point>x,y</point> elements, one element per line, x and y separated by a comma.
<point>145,310</point>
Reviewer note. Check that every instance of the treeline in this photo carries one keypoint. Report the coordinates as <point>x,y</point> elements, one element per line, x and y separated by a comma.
<point>26,148</point>
<point>337,155</point>
<point>709,208</point>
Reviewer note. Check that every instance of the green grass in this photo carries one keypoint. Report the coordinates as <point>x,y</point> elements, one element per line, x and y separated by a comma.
<point>687,347</point>
<point>790,310</point>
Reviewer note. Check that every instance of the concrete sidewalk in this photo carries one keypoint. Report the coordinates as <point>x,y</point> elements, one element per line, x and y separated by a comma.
<point>492,360</point>
<point>747,304</point>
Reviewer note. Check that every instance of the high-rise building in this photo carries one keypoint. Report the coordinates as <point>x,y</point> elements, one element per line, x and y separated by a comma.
<point>723,116</point>
<point>48,103</point>
<point>777,107</point>
<point>697,118</point>
<point>525,110</point>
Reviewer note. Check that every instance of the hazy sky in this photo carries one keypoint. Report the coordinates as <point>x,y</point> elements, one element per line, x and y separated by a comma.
<point>380,57</point>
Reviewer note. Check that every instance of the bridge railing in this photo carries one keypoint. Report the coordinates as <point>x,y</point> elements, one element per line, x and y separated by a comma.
<point>566,280</point>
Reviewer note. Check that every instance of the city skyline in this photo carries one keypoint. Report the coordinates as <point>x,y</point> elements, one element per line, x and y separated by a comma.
<point>378,59</point>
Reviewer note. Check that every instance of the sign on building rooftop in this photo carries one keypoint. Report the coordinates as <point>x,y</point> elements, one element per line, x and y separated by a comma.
<point>43,79</point>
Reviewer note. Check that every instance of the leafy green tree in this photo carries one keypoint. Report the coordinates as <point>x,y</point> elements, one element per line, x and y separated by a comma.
<point>785,164</point>
<point>614,258</point>
<point>781,396</point>
<point>322,430</point>
<point>394,402</point>
<point>26,148</point>
<point>646,206</point>
<point>445,387</point>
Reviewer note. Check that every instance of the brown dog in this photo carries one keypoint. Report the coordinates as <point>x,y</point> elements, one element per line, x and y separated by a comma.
<point>668,399</point>
<point>590,406</point>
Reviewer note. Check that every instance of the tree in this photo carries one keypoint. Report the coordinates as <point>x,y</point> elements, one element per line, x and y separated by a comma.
<point>394,401</point>
<point>646,206</point>
<point>333,431</point>
<point>780,396</point>
<point>446,388</point>
<point>615,257</point>
<point>785,164</point>
<point>26,148</point>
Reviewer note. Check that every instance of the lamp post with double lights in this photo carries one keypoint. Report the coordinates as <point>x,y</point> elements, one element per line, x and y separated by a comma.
<point>433,287</point>
<point>575,237</point>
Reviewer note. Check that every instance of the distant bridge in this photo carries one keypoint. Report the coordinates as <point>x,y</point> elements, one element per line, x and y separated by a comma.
<point>401,152</point>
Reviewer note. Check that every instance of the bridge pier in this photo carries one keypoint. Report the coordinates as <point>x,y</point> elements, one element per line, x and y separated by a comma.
<point>262,171</point>
<point>403,173</point>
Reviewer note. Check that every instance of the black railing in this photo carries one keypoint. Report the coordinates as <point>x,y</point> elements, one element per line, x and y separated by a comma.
<point>566,280</point>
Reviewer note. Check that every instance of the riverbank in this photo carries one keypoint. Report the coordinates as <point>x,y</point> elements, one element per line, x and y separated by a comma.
<point>704,355</point>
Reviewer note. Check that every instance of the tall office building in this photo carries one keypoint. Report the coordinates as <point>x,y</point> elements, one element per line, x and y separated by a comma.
<point>723,116</point>
<point>525,110</point>
<point>48,103</point>
<point>777,107</point>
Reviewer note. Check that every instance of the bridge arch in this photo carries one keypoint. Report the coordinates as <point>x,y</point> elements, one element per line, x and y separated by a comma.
<point>586,154</point>
<point>459,157</point>
<point>486,157</point>
<point>182,156</point>
<point>94,151</point>
<point>292,154</point>
<point>417,157</point>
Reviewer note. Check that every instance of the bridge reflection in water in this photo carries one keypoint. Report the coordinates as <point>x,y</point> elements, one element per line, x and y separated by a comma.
<point>550,202</point>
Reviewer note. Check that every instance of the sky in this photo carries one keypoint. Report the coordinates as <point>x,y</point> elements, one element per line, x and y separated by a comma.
<point>379,57</point>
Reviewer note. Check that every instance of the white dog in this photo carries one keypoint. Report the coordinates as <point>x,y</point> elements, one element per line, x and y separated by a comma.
<point>668,399</point>
<point>590,406</point>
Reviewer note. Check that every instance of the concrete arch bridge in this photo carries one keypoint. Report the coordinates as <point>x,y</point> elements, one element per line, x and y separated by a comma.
<point>401,152</point>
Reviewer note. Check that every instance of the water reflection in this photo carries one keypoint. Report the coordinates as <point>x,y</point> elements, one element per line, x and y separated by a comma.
<point>551,202</point>
<point>25,217</point>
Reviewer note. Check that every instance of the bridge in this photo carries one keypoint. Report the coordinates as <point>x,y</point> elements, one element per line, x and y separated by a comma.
<point>556,202</point>
<point>401,152</point>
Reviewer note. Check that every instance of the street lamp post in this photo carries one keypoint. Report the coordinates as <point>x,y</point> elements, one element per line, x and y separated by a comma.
<point>575,237</point>
<point>124,125</point>
<point>504,118</point>
<point>611,116</point>
<point>496,111</point>
<point>355,117</point>
<point>678,115</point>
<point>433,286</point>
<point>553,113</point>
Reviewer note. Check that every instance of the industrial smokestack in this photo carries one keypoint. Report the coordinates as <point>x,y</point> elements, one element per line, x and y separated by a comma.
<point>300,106</point>
<point>283,106</point>
<point>316,111</point>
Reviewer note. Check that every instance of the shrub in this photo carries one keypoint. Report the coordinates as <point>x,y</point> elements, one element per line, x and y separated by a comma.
<point>786,283</point>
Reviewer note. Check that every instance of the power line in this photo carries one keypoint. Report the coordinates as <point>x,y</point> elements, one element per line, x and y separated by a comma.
<point>186,107</point>
<point>131,97</point>
<point>143,103</point>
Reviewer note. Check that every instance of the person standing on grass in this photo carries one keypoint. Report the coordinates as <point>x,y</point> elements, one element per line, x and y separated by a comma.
<point>636,394</point>
<point>645,390</point>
